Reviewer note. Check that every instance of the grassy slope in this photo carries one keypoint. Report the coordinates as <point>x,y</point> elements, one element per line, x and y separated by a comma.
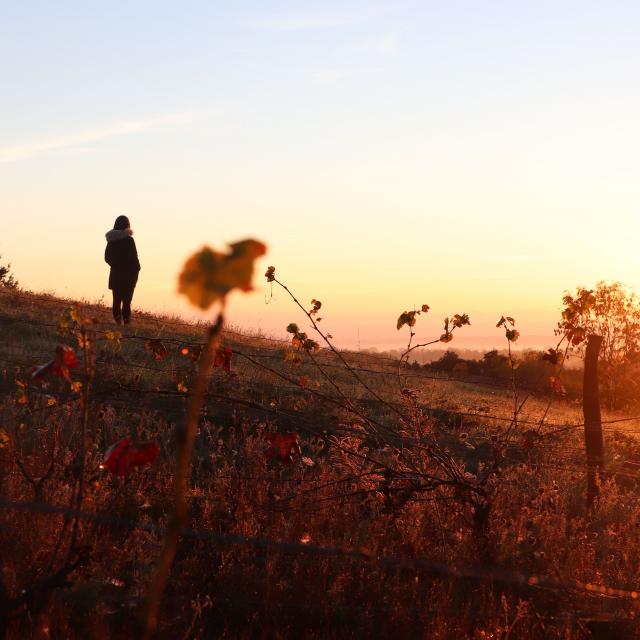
<point>29,335</point>
<point>537,524</point>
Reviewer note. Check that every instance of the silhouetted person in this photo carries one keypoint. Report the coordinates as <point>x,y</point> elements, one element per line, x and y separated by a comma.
<point>122,257</point>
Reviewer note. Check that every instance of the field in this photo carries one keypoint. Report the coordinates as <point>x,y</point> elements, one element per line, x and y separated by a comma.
<point>331,495</point>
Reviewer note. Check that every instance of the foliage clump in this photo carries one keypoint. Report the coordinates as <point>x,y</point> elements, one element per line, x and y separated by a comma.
<point>612,311</point>
<point>7,278</point>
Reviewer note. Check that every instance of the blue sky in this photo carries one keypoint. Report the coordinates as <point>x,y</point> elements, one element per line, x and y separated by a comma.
<point>482,156</point>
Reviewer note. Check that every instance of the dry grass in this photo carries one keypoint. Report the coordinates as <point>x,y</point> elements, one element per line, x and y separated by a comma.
<point>351,488</point>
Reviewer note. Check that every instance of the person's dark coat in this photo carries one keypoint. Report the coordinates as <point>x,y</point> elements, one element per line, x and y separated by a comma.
<point>121,255</point>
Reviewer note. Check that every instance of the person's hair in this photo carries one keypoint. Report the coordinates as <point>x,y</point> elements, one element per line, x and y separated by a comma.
<point>122,223</point>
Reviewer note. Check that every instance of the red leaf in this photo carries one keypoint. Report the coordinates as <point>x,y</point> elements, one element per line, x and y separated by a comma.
<point>65,359</point>
<point>223,358</point>
<point>282,447</point>
<point>304,381</point>
<point>122,457</point>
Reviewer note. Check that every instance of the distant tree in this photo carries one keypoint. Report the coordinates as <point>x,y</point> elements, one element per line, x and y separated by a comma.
<point>446,362</point>
<point>495,364</point>
<point>612,311</point>
<point>534,370</point>
<point>6,277</point>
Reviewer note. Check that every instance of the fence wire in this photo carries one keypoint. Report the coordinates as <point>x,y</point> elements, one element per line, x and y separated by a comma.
<point>491,574</point>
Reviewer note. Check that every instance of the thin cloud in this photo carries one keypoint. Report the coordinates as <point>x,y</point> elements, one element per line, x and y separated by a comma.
<point>29,150</point>
<point>328,76</point>
<point>300,20</point>
<point>387,45</point>
<point>512,258</point>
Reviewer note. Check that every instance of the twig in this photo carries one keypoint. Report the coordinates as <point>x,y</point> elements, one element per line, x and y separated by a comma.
<point>183,465</point>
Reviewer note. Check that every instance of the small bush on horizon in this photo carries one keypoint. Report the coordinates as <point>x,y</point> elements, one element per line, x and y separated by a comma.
<point>7,278</point>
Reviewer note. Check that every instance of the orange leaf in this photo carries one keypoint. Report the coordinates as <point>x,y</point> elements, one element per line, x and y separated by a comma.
<point>193,353</point>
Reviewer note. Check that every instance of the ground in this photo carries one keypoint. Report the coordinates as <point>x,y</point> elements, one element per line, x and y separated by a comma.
<point>332,495</point>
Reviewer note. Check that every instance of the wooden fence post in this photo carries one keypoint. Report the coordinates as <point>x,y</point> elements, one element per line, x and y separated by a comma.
<point>594,442</point>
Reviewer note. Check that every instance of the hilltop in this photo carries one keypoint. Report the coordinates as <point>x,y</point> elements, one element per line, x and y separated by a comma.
<point>31,329</point>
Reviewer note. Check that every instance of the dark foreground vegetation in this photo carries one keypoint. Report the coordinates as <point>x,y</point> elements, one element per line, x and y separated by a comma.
<point>332,495</point>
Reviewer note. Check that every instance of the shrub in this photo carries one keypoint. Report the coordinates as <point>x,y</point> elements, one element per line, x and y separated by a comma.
<point>6,277</point>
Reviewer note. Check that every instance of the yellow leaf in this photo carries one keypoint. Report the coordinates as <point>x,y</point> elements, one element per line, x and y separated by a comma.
<point>4,439</point>
<point>209,275</point>
<point>182,388</point>
<point>76,387</point>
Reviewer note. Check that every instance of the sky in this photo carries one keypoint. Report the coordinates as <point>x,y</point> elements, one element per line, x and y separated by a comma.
<point>478,157</point>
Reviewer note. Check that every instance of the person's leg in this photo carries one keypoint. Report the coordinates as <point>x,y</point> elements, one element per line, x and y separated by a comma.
<point>126,304</point>
<point>117,303</point>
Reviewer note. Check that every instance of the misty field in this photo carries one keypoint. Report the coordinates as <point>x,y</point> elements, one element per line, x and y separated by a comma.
<point>331,494</point>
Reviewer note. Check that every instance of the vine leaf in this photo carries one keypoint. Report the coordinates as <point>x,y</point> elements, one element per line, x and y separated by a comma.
<point>408,318</point>
<point>123,457</point>
<point>223,358</point>
<point>209,275</point>
<point>64,360</point>
<point>512,334</point>
<point>282,447</point>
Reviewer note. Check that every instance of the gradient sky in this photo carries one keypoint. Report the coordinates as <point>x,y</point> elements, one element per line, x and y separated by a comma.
<point>481,157</point>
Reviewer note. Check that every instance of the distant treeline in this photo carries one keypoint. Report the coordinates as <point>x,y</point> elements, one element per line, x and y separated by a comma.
<point>531,371</point>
